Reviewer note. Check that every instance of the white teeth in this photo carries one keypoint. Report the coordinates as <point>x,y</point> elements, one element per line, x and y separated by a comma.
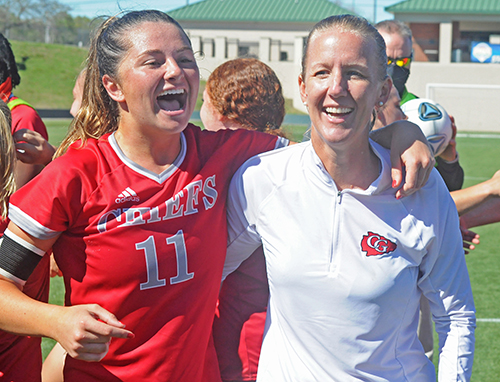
<point>172,91</point>
<point>338,110</point>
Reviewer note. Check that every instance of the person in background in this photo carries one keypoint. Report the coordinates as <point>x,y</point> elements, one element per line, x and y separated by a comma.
<point>487,212</point>
<point>24,116</point>
<point>471,197</point>
<point>7,160</point>
<point>391,112</point>
<point>347,262</point>
<point>78,93</point>
<point>243,93</point>
<point>399,47</point>
<point>20,357</point>
<point>479,204</point>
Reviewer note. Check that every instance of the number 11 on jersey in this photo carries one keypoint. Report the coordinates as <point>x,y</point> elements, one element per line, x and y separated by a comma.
<point>149,248</point>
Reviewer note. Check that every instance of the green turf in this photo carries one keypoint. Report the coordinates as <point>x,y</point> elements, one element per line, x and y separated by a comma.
<point>294,132</point>
<point>57,129</point>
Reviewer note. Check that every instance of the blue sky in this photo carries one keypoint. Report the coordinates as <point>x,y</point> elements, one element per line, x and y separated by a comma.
<point>93,8</point>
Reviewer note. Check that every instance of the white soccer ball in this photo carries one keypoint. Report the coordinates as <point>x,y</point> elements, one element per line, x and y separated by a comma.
<point>432,119</point>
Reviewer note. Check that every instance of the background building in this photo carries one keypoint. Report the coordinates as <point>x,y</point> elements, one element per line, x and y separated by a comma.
<point>446,36</point>
<point>273,31</point>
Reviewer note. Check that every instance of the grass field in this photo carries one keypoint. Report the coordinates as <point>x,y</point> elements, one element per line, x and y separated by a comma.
<point>48,73</point>
<point>480,158</point>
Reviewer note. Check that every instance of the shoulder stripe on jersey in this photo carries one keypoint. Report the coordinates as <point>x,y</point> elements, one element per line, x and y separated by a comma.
<point>17,260</point>
<point>24,243</point>
<point>30,225</point>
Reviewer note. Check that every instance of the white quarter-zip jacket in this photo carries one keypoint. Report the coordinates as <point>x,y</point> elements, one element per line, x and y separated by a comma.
<point>346,270</point>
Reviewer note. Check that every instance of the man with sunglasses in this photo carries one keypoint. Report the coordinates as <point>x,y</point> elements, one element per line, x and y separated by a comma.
<point>398,39</point>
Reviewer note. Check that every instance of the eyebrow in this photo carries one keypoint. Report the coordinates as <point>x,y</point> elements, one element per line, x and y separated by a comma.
<point>155,51</point>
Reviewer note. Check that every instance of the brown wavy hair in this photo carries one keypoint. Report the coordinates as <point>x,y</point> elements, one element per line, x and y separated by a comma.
<point>248,92</point>
<point>7,159</point>
<point>99,114</point>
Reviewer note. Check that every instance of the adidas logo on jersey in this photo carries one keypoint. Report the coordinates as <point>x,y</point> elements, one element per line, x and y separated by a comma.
<point>127,195</point>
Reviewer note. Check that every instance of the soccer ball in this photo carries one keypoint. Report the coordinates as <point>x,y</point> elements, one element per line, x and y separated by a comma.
<point>432,119</point>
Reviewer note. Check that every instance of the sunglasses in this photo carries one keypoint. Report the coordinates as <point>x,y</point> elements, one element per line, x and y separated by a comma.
<point>402,62</point>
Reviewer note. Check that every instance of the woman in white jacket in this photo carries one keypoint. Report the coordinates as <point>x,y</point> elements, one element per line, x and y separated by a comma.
<point>347,260</point>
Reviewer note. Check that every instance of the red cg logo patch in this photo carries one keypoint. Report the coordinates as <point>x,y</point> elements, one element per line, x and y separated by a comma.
<point>374,244</point>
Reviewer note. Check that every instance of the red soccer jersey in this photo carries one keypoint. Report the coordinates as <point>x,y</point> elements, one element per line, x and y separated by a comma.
<point>149,248</point>
<point>239,325</point>
<point>21,357</point>
<point>25,117</point>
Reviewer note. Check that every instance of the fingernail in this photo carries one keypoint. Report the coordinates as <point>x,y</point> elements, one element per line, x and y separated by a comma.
<point>393,184</point>
<point>399,196</point>
<point>130,335</point>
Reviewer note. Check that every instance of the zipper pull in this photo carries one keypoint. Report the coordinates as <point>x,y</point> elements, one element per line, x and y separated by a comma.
<point>339,195</point>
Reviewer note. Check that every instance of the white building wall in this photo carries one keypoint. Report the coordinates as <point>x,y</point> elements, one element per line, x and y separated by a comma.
<point>268,45</point>
<point>474,107</point>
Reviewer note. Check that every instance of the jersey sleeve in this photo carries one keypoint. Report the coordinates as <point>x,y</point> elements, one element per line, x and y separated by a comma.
<point>444,280</point>
<point>50,203</point>
<point>25,117</point>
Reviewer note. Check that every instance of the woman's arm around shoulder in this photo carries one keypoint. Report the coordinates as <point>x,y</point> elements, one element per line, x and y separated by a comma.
<point>409,149</point>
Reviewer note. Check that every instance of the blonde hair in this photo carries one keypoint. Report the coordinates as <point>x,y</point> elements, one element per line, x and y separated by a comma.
<point>7,159</point>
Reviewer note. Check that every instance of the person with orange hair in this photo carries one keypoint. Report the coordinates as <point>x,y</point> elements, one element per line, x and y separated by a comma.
<point>243,93</point>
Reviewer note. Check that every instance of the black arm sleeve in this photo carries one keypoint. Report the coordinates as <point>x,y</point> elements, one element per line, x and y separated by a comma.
<point>452,174</point>
<point>16,259</point>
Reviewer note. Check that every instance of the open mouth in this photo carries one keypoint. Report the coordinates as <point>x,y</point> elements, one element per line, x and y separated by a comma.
<point>172,100</point>
<point>338,111</point>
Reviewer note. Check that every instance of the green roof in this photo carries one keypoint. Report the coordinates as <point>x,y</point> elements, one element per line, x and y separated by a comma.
<point>477,7</point>
<point>258,10</point>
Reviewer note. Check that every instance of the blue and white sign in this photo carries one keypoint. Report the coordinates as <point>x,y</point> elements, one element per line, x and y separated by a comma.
<point>485,53</point>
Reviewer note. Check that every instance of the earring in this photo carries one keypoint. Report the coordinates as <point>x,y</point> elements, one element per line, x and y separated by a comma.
<point>381,104</point>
